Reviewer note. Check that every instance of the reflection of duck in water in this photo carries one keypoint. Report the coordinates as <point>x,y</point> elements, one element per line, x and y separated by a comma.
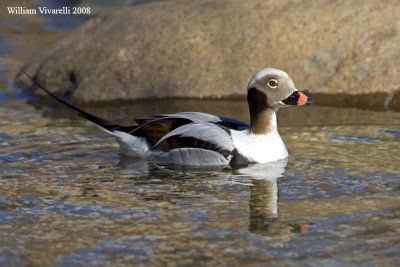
<point>264,213</point>
<point>195,138</point>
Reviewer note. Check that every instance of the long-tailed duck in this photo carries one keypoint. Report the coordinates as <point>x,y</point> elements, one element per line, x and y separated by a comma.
<point>196,138</point>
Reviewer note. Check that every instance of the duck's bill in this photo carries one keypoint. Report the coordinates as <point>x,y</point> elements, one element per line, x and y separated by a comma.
<point>297,98</point>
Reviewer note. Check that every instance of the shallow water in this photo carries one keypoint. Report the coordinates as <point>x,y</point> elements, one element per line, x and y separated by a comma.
<point>67,198</point>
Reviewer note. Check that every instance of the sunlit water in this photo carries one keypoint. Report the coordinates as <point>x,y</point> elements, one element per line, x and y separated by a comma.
<point>68,198</point>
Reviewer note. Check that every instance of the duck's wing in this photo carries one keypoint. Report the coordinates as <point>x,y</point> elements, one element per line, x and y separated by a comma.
<point>205,117</point>
<point>197,143</point>
<point>189,116</point>
<point>205,135</point>
<point>195,117</point>
<point>156,127</point>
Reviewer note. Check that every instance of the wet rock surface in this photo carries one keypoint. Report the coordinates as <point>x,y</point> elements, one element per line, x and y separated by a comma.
<point>210,49</point>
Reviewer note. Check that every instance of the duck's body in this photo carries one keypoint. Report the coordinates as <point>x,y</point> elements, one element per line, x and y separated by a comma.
<point>195,138</point>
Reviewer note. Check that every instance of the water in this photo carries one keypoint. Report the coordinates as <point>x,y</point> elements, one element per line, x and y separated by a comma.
<point>68,198</point>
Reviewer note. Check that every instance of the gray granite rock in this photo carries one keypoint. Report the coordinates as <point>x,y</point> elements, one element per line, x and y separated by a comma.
<point>209,48</point>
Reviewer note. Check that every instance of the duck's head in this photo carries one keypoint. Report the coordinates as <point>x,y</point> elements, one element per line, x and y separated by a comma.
<point>272,88</point>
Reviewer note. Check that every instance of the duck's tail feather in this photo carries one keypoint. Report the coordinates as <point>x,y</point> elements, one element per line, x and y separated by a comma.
<point>104,124</point>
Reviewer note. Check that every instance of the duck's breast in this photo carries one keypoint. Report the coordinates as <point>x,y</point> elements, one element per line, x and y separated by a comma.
<point>259,148</point>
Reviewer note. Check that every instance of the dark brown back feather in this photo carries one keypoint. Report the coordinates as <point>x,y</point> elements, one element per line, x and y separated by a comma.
<point>157,128</point>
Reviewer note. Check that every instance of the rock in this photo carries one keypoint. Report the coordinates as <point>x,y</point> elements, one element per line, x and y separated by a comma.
<point>210,48</point>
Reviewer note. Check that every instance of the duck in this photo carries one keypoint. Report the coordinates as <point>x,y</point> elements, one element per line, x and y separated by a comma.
<point>201,139</point>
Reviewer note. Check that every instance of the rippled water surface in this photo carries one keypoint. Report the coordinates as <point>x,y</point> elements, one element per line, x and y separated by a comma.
<point>67,198</point>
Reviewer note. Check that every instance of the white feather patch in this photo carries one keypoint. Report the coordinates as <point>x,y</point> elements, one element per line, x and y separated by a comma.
<point>259,148</point>
<point>132,145</point>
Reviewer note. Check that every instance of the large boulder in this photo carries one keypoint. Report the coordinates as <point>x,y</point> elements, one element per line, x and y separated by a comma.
<point>209,48</point>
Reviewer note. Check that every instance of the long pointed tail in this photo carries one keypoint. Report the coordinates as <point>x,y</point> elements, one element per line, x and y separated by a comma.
<point>103,123</point>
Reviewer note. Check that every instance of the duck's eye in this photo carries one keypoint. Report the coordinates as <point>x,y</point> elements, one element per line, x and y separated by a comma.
<point>273,83</point>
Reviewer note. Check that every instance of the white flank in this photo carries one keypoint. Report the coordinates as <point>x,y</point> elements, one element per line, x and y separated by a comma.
<point>132,145</point>
<point>191,157</point>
